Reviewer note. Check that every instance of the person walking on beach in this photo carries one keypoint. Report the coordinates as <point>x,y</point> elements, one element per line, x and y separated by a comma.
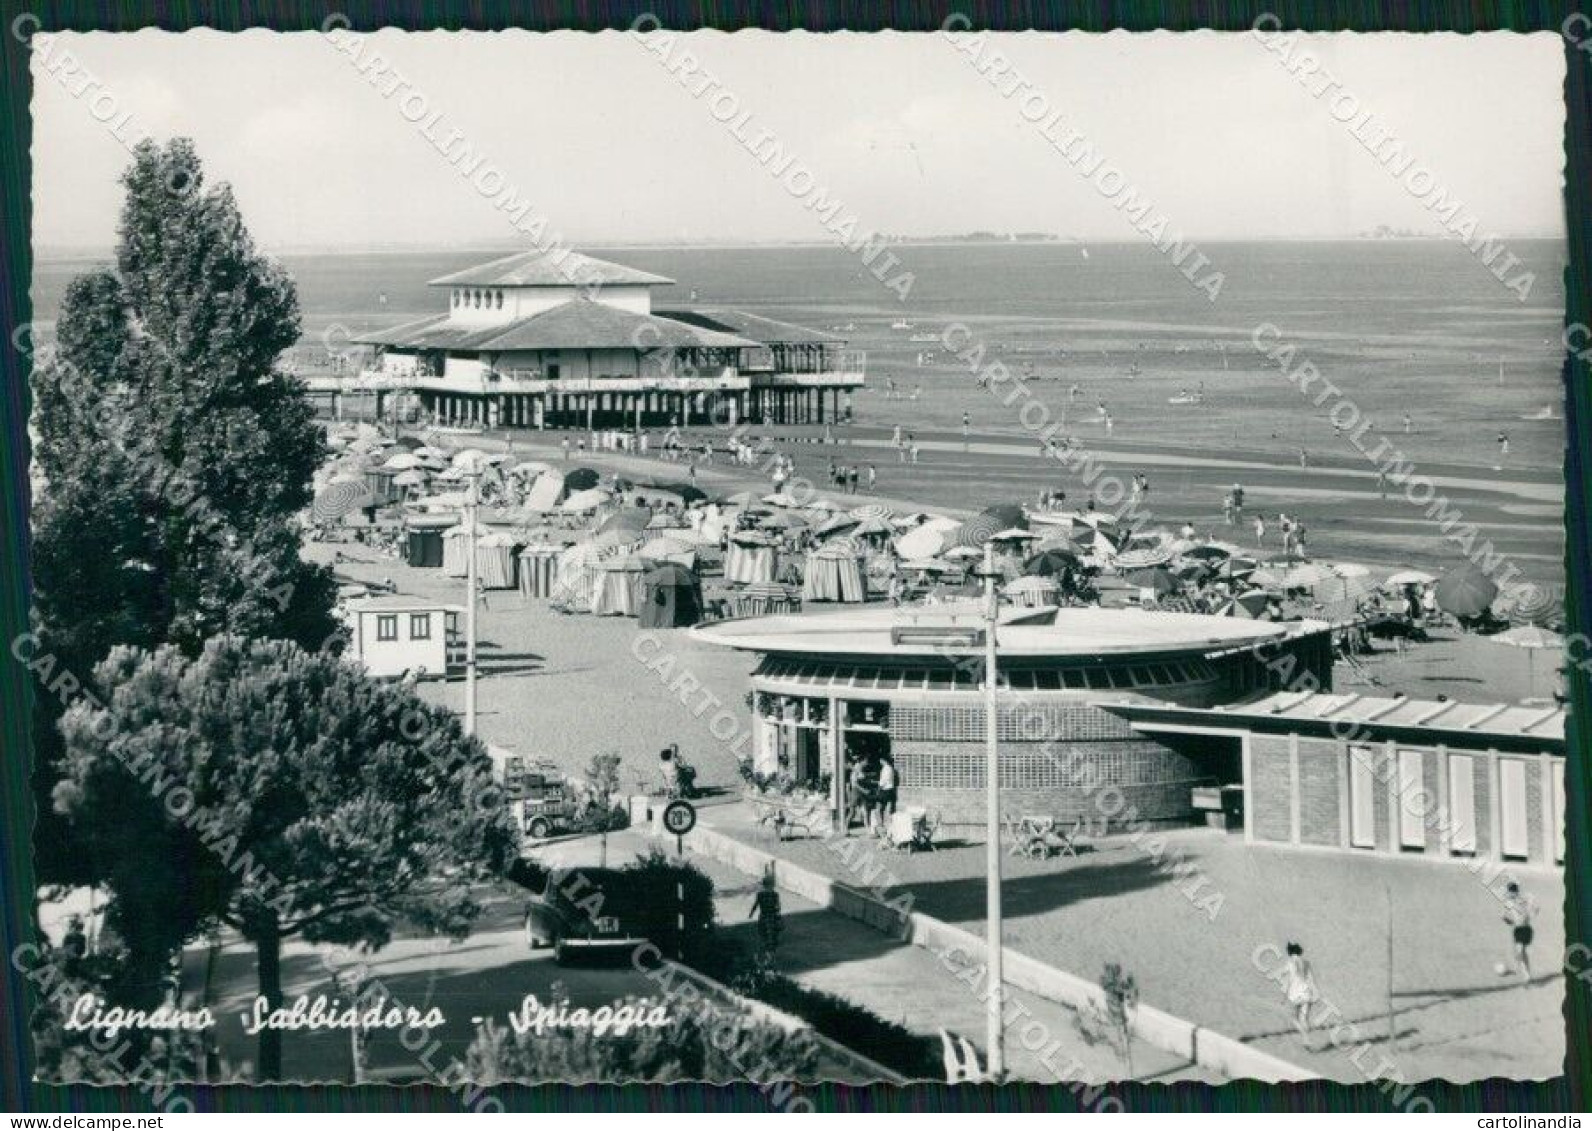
<point>1519,909</point>
<point>1304,460</point>
<point>895,436</point>
<point>565,443</point>
<point>967,427</point>
<point>1260,530</point>
<point>1409,424</point>
<point>873,476</point>
<point>1299,987</point>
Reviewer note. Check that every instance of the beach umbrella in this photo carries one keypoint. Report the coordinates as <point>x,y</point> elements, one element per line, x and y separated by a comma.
<point>963,554</point>
<point>1533,638</point>
<point>582,479</point>
<point>1307,576</point>
<point>469,458</point>
<point>1143,559</point>
<point>340,499</point>
<point>665,548</point>
<point>586,500</point>
<point>1267,579</point>
<point>837,523</point>
<point>871,527</point>
<point>1013,535</point>
<point>1052,563</point>
<point>1006,516</point>
<point>410,479</point>
<point>782,499</point>
<point>630,519</point>
<point>1062,542</point>
<point>411,443</point>
<point>1208,552</point>
<point>691,494</point>
<point>920,542</point>
<point>871,510</point>
<point>1408,577</point>
<point>401,461</point>
<point>925,565</point>
<point>1466,593</point>
<point>741,499</point>
<point>1349,569</point>
<point>1251,603</point>
<point>1153,577</point>
<point>1533,604</point>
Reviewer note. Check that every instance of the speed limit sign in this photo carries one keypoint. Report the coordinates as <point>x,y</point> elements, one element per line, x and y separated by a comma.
<point>679,817</point>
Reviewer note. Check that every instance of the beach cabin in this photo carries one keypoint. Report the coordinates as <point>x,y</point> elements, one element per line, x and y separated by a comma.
<point>394,635</point>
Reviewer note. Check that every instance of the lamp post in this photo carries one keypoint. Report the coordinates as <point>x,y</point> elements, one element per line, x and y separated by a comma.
<point>995,994</point>
<point>471,584</point>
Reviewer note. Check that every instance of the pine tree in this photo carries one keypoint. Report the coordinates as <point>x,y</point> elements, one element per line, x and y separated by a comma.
<point>282,793</point>
<point>171,454</point>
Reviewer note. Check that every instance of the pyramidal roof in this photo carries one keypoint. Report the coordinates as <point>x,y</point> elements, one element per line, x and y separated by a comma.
<point>551,268</point>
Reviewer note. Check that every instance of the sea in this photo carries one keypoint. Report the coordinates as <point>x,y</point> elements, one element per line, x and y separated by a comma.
<point>1416,327</point>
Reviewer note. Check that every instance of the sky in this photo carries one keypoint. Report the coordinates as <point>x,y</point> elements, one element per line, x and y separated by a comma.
<point>610,147</point>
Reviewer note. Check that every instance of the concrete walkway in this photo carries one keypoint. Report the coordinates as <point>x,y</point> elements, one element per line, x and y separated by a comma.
<point>826,951</point>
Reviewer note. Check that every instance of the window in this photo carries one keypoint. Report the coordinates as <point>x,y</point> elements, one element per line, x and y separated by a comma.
<point>420,626</point>
<point>500,300</point>
<point>387,626</point>
<point>1074,678</point>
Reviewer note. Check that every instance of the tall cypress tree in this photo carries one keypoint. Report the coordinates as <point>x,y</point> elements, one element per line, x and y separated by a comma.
<point>171,454</point>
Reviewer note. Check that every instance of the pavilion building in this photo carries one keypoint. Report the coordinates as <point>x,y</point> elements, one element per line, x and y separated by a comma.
<point>533,340</point>
<point>1125,717</point>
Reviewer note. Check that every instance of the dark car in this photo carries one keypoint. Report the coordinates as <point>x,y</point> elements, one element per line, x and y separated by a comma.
<point>586,910</point>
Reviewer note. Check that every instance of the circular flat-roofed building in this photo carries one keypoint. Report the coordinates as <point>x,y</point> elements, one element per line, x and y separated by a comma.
<point>834,690</point>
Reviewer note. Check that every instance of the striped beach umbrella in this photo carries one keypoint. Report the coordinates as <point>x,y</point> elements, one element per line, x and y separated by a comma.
<point>871,510</point>
<point>1534,604</point>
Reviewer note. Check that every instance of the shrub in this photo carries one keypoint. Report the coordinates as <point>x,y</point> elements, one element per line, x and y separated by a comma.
<point>700,1041</point>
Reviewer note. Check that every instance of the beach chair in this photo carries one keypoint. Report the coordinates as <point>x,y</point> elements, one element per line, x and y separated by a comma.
<point>1069,841</point>
<point>961,1060</point>
<point>1027,839</point>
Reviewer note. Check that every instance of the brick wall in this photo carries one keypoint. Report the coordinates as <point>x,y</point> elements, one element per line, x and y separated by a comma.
<point>949,777</point>
<point>1269,786</point>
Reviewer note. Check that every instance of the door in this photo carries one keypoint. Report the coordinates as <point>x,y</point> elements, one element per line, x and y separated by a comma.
<point>1362,798</point>
<point>1461,804</point>
<point>1516,833</point>
<point>1557,774</point>
<point>1412,819</point>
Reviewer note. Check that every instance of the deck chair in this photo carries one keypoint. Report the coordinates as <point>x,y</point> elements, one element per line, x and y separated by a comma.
<point>961,1060</point>
<point>1069,842</point>
<point>1358,672</point>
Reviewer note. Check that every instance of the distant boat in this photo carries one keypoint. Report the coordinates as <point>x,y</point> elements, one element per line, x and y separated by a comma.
<point>924,338</point>
<point>1544,413</point>
<point>1186,398</point>
<point>901,324</point>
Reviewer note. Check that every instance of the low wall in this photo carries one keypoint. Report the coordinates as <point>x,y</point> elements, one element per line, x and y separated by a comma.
<point>1194,1043</point>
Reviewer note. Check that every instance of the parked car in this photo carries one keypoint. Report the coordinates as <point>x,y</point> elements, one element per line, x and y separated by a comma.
<point>585,910</point>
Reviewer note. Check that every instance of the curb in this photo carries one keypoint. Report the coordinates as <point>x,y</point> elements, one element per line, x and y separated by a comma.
<point>1195,1043</point>
<point>870,1070</point>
